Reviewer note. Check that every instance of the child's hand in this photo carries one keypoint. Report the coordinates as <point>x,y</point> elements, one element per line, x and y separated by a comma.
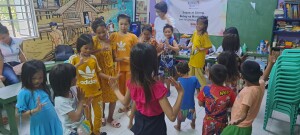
<point>176,84</point>
<point>233,122</point>
<point>39,106</point>
<point>81,61</point>
<point>113,83</point>
<point>273,57</point>
<point>80,94</point>
<point>126,59</point>
<point>105,48</point>
<point>88,102</point>
<point>2,78</point>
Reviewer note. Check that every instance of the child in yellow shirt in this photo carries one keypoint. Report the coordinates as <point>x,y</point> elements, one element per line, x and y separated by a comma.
<point>122,42</point>
<point>200,42</point>
<point>87,69</point>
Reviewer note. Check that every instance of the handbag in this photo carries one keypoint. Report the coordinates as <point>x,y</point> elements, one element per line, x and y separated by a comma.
<point>63,52</point>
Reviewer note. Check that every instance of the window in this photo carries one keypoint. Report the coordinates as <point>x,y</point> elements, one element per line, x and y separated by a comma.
<point>19,17</point>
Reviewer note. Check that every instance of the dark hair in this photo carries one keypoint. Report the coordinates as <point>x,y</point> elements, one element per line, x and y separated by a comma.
<point>218,74</point>
<point>53,24</point>
<point>84,39</point>
<point>231,40</point>
<point>147,27</point>
<point>143,67</point>
<point>251,71</point>
<point>30,68</point>
<point>123,16</point>
<point>61,77</point>
<point>168,26</point>
<point>162,6</point>
<point>3,29</point>
<point>182,67</point>
<point>204,20</point>
<point>97,23</point>
<point>230,61</point>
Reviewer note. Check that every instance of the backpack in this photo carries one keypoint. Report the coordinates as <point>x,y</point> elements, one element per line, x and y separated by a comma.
<point>63,52</point>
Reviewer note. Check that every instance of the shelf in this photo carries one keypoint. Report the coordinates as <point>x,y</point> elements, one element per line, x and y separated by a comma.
<point>286,32</point>
<point>287,19</point>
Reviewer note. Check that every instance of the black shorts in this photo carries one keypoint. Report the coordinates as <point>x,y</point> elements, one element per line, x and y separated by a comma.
<point>145,125</point>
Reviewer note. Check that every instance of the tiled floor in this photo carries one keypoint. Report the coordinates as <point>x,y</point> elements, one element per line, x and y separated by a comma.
<point>279,125</point>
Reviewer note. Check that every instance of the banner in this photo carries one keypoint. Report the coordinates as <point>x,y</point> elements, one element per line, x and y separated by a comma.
<point>186,12</point>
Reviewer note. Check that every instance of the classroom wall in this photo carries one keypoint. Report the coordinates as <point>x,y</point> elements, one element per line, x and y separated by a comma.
<point>253,25</point>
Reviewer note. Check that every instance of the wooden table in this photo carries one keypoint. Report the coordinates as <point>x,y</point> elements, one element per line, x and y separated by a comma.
<point>8,98</point>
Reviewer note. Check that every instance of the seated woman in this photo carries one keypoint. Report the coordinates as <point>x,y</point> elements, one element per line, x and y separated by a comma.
<point>11,55</point>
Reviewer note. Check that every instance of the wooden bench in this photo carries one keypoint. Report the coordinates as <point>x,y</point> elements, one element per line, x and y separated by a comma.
<point>8,98</point>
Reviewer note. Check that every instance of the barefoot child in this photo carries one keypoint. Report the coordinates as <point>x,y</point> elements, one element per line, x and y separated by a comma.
<point>189,84</point>
<point>122,42</point>
<point>216,99</point>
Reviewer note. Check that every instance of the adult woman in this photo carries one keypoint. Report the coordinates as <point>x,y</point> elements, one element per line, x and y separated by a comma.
<point>161,21</point>
<point>11,55</point>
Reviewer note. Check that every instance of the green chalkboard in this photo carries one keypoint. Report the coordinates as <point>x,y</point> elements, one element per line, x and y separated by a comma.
<point>253,25</point>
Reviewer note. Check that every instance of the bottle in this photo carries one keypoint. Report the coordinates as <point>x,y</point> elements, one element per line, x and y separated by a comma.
<point>262,46</point>
<point>244,48</point>
<point>258,49</point>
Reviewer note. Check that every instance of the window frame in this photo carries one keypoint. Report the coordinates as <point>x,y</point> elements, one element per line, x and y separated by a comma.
<point>26,15</point>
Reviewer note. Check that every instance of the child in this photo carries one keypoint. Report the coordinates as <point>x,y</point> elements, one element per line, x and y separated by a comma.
<point>230,61</point>
<point>247,103</point>
<point>199,43</point>
<point>148,94</point>
<point>88,70</point>
<point>189,84</point>
<point>216,99</point>
<point>167,62</point>
<point>33,100</point>
<point>122,42</point>
<point>146,37</point>
<point>69,102</point>
<point>104,54</point>
<point>231,41</point>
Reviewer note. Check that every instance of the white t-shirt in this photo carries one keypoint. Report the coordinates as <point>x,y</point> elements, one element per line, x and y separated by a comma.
<point>239,52</point>
<point>65,105</point>
<point>159,25</point>
<point>11,52</point>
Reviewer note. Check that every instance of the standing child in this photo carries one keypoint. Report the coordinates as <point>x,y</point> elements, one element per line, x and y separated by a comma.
<point>199,43</point>
<point>88,71</point>
<point>122,42</point>
<point>146,37</point>
<point>33,100</point>
<point>189,84</point>
<point>167,62</point>
<point>104,54</point>
<point>69,101</point>
<point>216,99</point>
<point>247,103</point>
<point>148,94</point>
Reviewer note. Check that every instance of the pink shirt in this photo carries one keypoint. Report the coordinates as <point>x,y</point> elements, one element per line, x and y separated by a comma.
<point>153,107</point>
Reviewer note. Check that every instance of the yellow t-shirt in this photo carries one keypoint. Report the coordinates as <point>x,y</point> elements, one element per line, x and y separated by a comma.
<point>122,45</point>
<point>87,75</point>
<point>197,58</point>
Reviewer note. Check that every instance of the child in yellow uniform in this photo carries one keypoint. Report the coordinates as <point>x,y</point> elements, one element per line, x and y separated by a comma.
<point>87,69</point>
<point>103,53</point>
<point>200,42</point>
<point>122,42</point>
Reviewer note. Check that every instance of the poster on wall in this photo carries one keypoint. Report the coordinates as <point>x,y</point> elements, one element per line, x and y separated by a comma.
<point>186,12</point>
<point>122,7</point>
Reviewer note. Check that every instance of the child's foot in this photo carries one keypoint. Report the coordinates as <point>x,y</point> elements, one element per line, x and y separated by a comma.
<point>177,128</point>
<point>114,123</point>
<point>103,133</point>
<point>103,121</point>
<point>193,125</point>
